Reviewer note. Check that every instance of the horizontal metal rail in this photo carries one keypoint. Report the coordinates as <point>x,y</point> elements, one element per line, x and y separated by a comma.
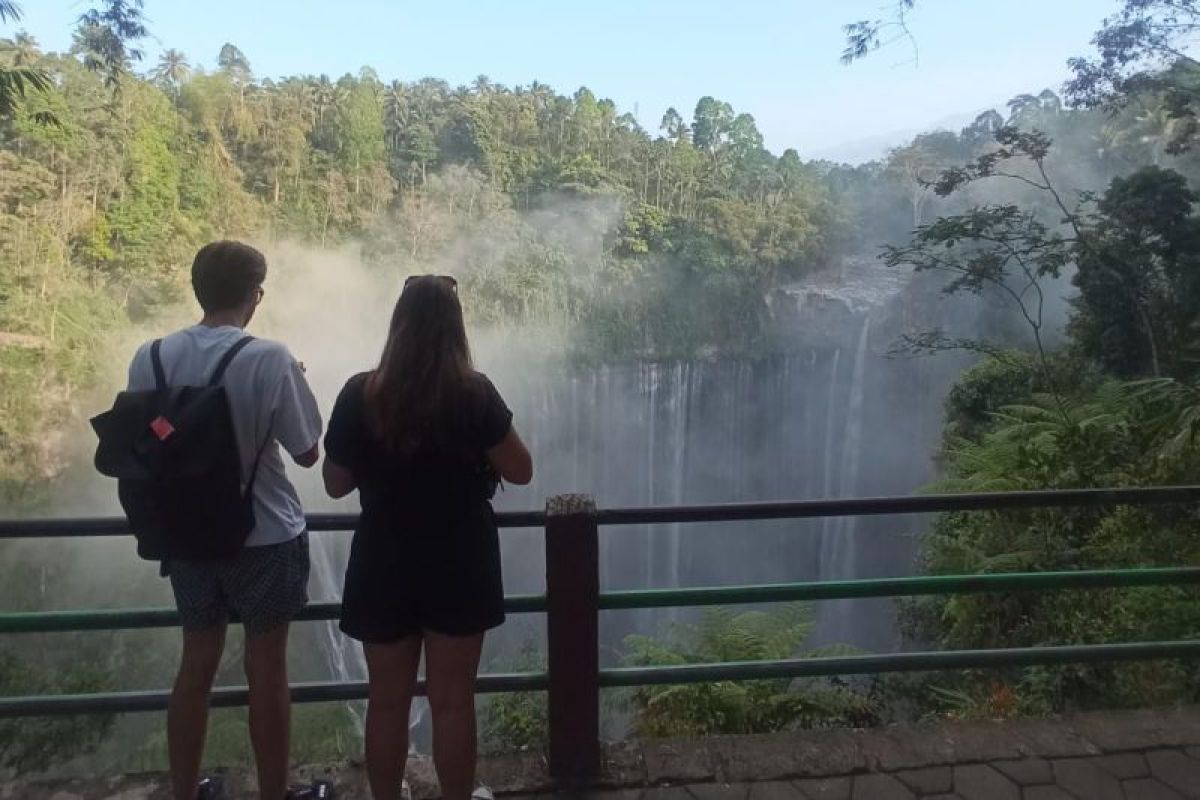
<point>137,618</point>
<point>224,697</point>
<point>140,618</point>
<point>727,512</point>
<point>233,696</point>
<point>69,527</point>
<point>896,662</point>
<point>906,504</point>
<point>504,519</point>
<point>894,587</point>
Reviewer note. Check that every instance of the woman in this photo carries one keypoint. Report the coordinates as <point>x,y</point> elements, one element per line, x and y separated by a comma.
<point>424,438</point>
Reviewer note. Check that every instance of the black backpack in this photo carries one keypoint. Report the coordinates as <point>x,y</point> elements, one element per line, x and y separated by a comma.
<point>174,454</point>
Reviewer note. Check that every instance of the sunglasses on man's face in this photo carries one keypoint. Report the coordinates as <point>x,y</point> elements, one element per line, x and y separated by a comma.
<point>446,279</point>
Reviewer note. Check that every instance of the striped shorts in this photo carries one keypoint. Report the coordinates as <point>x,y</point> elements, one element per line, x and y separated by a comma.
<point>262,587</point>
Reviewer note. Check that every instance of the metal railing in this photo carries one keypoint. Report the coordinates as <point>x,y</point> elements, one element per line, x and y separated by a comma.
<point>573,602</point>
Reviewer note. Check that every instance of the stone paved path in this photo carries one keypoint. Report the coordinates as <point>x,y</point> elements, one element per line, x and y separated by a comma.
<point>1131,755</point>
<point>1140,755</point>
<point>1162,774</point>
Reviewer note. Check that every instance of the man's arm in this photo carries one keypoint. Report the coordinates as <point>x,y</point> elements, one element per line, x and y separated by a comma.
<point>297,419</point>
<point>309,458</point>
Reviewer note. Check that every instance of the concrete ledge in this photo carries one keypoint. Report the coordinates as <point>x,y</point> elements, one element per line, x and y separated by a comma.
<point>1112,742</point>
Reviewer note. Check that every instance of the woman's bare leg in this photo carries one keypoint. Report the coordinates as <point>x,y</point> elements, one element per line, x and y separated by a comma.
<point>451,664</point>
<point>393,678</point>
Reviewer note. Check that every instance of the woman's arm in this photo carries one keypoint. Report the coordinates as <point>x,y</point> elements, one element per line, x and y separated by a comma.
<point>339,481</point>
<point>510,459</point>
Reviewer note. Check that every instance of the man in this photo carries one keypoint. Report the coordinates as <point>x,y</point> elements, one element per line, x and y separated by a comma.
<point>265,584</point>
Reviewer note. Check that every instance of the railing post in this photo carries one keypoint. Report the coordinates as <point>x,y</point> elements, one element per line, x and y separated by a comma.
<point>573,632</point>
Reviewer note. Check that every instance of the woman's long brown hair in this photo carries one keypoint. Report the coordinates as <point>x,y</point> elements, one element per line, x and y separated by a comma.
<point>418,390</point>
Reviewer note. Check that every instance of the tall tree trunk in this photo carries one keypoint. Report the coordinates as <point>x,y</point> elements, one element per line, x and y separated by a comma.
<point>1150,338</point>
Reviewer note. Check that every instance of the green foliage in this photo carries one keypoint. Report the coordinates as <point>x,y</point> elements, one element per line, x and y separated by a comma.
<point>1139,277</point>
<point>983,390</point>
<point>516,720</point>
<point>19,79</point>
<point>866,36</point>
<point>693,710</point>
<point>108,36</point>
<point>558,210</point>
<point>1111,434</point>
<point>1064,419</point>
<point>32,745</point>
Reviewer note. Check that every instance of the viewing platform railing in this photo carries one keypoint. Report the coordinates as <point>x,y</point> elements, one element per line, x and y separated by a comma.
<point>573,602</point>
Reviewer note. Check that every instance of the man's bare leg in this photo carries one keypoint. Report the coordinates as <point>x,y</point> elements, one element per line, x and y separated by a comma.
<point>187,711</point>
<point>270,708</point>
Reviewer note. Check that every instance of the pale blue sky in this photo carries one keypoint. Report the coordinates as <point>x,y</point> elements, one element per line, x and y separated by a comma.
<point>776,59</point>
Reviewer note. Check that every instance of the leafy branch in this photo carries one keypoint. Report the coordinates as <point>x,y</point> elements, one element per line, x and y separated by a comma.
<point>936,340</point>
<point>866,36</point>
<point>107,37</point>
<point>984,247</point>
<point>16,83</point>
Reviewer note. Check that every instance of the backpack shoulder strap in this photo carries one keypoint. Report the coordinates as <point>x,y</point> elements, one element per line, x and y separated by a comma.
<point>160,376</point>
<point>223,364</point>
<point>258,457</point>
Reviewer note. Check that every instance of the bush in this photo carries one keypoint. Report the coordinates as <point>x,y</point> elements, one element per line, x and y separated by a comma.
<point>701,709</point>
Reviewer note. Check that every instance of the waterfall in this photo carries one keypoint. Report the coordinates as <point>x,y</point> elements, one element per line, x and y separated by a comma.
<point>837,616</point>
<point>830,489</point>
<point>852,447</point>
<point>650,390</point>
<point>824,419</point>
<point>679,409</point>
<point>344,655</point>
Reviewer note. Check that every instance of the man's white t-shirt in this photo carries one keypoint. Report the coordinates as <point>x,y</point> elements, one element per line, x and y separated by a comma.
<point>271,405</point>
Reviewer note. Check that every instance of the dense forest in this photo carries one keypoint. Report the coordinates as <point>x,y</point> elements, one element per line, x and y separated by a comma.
<point>560,211</point>
<point>1114,401</point>
<point>551,209</point>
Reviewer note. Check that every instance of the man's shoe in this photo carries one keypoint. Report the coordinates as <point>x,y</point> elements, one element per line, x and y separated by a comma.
<point>211,789</point>
<point>317,790</point>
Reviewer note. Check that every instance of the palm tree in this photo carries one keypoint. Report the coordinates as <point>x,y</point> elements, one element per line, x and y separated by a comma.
<point>983,130</point>
<point>18,80</point>
<point>483,85</point>
<point>233,62</point>
<point>1111,143</point>
<point>1050,101</point>
<point>542,96</point>
<point>24,49</point>
<point>173,68</point>
<point>674,126</point>
<point>395,113</point>
<point>1158,128</point>
<point>302,93</point>
<point>324,97</point>
<point>1022,109</point>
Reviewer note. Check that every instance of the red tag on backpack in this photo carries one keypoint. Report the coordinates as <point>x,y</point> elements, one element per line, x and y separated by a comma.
<point>162,428</point>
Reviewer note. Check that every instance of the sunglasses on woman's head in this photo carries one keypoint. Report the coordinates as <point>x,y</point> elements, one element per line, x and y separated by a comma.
<point>446,279</point>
